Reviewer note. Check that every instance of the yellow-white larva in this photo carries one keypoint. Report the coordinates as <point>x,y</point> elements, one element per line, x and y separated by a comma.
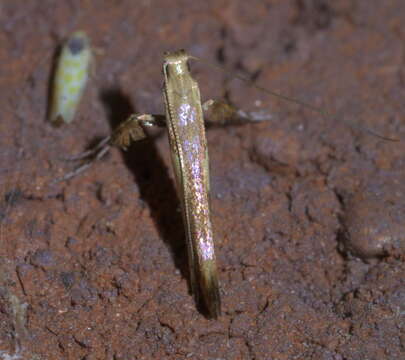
<point>72,72</point>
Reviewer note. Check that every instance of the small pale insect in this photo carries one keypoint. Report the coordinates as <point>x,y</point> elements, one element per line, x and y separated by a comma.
<point>72,72</point>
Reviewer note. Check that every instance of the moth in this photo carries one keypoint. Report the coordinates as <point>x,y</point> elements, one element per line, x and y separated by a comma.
<point>189,154</point>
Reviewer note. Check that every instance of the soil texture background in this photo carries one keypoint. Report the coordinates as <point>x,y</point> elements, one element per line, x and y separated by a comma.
<point>308,210</point>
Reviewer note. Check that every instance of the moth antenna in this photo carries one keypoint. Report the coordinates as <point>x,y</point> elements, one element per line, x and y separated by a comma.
<point>324,113</point>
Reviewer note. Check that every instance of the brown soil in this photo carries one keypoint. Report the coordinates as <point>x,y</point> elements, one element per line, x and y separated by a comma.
<point>308,212</point>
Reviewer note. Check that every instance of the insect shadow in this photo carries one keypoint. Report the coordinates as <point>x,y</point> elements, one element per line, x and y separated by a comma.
<point>151,175</point>
<point>51,80</point>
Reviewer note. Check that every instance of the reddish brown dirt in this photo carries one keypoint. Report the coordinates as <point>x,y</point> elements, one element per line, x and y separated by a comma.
<point>308,213</point>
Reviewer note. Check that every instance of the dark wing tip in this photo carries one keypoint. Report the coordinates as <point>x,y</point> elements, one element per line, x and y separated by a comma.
<point>209,288</point>
<point>213,302</point>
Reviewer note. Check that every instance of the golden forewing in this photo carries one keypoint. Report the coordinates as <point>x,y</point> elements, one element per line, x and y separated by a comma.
<point>189,155</point>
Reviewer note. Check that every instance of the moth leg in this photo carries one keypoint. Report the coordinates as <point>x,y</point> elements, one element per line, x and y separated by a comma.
<point>91,152</point>
<point>130,130</point>
<point>101,151</point>
<point>221,113</point>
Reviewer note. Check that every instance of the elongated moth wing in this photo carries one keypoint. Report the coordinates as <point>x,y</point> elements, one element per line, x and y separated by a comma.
<point>70,78</point>
<point>190,161</point>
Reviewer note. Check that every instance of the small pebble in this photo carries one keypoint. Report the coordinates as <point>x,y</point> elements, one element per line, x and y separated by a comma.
<point>375,220</point>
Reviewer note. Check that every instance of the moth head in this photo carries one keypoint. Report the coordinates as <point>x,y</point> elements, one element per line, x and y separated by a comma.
<point>176,63</point>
